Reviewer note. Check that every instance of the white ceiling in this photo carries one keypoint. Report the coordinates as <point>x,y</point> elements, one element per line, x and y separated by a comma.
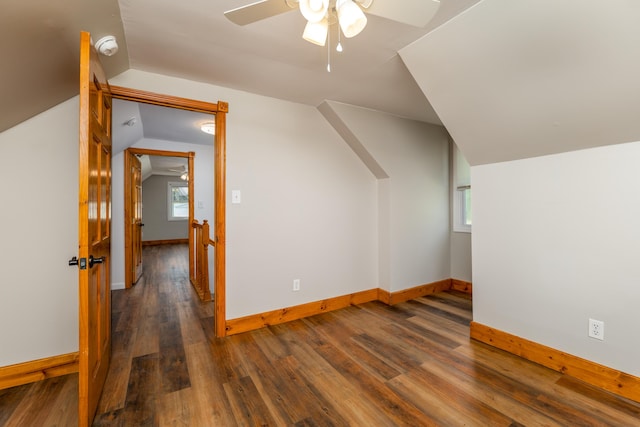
<point>508,79</point>
<point>154,122</point>
<point>518,79</point>
<point>192,39</point>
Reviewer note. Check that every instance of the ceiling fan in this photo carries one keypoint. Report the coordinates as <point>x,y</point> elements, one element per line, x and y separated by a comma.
<point>183,172</point>
<point>349,13</point>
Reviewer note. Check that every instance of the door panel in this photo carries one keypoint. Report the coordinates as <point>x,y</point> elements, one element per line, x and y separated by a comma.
<point>132,218</point>
<point>94,230</point>
<point>136,204</point>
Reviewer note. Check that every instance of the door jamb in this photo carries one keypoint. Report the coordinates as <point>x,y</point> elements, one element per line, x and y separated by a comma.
<point>220,110</point>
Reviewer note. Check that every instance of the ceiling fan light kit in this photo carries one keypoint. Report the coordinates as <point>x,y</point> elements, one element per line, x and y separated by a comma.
<point>348,14</point>
<point>351,18</point>
<point>316,32</point>
<point>208,127</point>
<point>314,10</point>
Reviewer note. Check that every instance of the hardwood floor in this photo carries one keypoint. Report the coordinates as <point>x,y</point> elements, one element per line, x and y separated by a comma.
<point>371,365</point>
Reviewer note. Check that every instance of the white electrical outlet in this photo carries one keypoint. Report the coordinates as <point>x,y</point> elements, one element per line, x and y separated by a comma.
<point>596,329</point>
<point>296,285</point>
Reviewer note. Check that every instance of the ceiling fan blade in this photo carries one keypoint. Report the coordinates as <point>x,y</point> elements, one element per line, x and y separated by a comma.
<point>412,12</point>
<point>257,11</point>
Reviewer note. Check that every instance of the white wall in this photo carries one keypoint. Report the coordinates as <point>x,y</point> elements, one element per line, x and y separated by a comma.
<point>308,206</point>
<point>556,241</point>
<point>203,192</point>
<point>310,210</point>
<point>155,210</point>
<point>460,240</point>
<point>38,235</point>
<point>413,200</point>
<point>461,264</point>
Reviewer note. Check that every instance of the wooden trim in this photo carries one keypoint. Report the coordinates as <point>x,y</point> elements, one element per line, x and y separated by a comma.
<point>164,242</point>
<point>220,110</point>
<point>136,95</point>
<point>164,153</point>
<point>256,321</point>
<point>220,220</point>
<point>612,380</point>
<point>418,291</point>
<point>384,296</point>
<point>128,220</point>
<point>38,370</point>
<point>461,285</point>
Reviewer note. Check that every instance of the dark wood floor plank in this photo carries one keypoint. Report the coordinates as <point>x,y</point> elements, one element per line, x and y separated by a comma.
<point>140,405</point>
<point>173,365</point>
<point>38,403</point>
<point>340,335</point>
<point>397,409</point>
<point>246,403</point>
<point>368,365</point>
<point>10,398</point>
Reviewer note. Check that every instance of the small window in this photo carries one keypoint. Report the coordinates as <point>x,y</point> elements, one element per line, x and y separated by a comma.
<point>462,192</point>
<point>178,201</point>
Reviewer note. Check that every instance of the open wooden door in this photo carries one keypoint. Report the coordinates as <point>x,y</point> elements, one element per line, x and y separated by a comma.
<point>133,218</point>
<point>94,234</point>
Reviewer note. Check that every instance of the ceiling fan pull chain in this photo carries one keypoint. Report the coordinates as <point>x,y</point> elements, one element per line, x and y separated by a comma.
<point>329,50</point>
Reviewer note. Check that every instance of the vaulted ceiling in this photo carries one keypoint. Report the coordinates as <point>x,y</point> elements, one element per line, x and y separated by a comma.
<point>193,39</point>
<point>508,79</point>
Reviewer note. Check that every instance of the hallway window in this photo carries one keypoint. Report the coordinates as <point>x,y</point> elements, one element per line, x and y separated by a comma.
<point>461,192</point>
<point>178,201</point>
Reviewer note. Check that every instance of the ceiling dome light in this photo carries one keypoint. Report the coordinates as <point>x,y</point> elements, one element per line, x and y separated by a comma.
<point>352,19</point>
<point>314,10</point>
<point>208,127</point>
<point>316,32</point>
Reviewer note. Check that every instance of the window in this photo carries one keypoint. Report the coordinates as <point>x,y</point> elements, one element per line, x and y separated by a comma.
<point>178,198</point>
<point>461,193</point>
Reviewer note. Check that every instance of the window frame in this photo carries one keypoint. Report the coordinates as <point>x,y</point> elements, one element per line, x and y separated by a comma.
<point>170,205</point>
<point>461,187</point>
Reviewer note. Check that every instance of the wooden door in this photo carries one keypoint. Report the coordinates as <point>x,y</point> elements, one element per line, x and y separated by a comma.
<point>132,218</point>
<point>94,223</point>
<point>137,218</point>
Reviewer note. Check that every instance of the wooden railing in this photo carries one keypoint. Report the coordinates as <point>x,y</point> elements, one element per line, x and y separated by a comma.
<point>199,265</point>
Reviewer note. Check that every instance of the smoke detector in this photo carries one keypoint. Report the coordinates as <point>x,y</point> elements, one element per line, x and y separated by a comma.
<point>107,45</point>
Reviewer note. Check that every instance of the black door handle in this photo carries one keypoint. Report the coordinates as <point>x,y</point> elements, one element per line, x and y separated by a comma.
<point>73,261</point>
<point>93,260</point>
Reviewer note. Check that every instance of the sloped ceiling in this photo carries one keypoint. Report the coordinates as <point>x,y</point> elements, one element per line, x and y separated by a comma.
<point>517,79</point>
<point>39,51</point>
<point>192,39</point>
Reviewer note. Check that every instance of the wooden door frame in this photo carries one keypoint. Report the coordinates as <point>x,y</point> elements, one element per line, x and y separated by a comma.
<point>128,209</point>
<point>220,110</point>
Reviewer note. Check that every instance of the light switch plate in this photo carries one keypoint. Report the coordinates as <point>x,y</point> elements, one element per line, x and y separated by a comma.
<point>235,196</point>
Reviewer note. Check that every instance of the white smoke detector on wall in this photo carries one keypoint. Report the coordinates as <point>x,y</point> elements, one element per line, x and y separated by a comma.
<point>107,46</point>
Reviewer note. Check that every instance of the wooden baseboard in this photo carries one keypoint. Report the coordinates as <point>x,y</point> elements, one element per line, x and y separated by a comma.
<point>461,285</point>
<point>256,321</point>
<point>612,380</point>
<point>164,242</point>
<point>417,292</point>
<point>37,370</point>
